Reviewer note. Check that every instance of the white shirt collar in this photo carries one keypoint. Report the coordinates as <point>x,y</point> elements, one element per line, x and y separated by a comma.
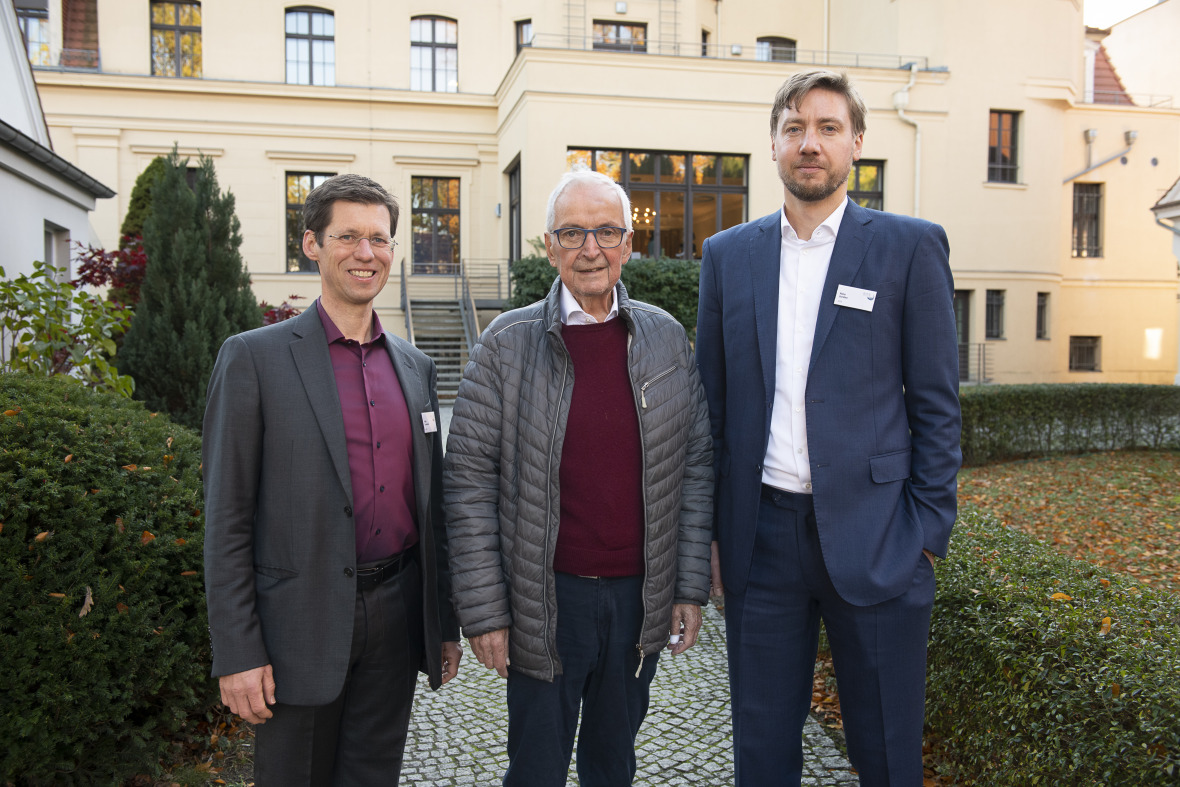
<point>572,313</point>
<point>824,233</point>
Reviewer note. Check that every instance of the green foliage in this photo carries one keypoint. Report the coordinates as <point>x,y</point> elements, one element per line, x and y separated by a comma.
<point>670,284</point>
<point>1045,670</point>
<point>91,694</point>
<point>1017,421</point>
<point>140,203</point>
<point>49,328</point>
<point>195,292</point>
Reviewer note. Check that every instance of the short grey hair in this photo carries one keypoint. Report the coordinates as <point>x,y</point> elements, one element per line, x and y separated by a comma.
<point>795,89</point>
<point>585,177</point>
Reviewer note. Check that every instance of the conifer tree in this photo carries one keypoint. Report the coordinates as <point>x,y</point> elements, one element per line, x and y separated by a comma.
<point>195,293</point>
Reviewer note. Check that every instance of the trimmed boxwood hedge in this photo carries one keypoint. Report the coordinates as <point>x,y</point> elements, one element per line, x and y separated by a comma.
<point>102,616</point>
<point>1046,670</point>
<point>1002,422</point>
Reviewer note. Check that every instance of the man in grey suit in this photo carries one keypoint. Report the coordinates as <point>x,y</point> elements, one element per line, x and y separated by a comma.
<point>325,547</point>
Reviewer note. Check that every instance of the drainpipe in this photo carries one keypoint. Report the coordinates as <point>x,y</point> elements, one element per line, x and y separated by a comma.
<point>1173,227</point>
<point>827,30</point>
<point>1128,136</point>
<point>717,4</point>
<point>901,100</point>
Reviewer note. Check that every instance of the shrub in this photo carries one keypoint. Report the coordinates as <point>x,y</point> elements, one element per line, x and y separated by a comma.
<point>1046,670</point>
<point>1016,421</point>
<point>49,328</point>
<point>102,615</point>
<point>139,205</point>
<point>195,294</point>
<point>667,283</point>
<point>122,269</point>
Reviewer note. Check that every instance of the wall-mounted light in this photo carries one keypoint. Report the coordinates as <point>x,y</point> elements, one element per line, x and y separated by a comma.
<point>620,8</point>
<point>497,210</point>
<point>735,50</point>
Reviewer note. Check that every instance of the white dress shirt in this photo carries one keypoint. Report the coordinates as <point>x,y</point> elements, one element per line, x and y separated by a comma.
<point>572,313</point>
<point>803,268</point>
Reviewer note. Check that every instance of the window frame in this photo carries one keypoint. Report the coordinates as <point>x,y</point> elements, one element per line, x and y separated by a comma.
<point>617,164</point>
<point>311,38</point>
<point>524,34</point>
<point>874,199</point>
<point>1086,235</point>
<point>294,211</point>
<point>177,30</point>
<point>768,48</point>
<point>515,249</point>
<point>1080,346</point>
<point>435,265</point>
<point>994,315</point>
<point>25,15</point>
<point>1042,315</point>
<point>1000,170</point>
<point>434,48</point>
<point>615,43</point>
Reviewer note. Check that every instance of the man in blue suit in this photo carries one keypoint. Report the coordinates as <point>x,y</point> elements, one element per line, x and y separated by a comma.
<point>827,348</point>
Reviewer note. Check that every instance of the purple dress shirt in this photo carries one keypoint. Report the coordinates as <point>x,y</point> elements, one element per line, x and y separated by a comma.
<point>378,431</point>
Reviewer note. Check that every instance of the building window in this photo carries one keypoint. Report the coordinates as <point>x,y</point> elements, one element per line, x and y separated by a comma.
<point>866,183</point>
<point>176,39</point>
<point>514,216</point>
<point>775,48</point>
<point>299,185</point>
<point>33,19</point>
<point>1087,219</point>
<point>1042,315</point>
<point>704,43</point>
<point>435,225</point>
<point>524,34</point>
<point>619,36</point>
<point>994,317</point>
<point>1085,353</point>
<point>434,54</point>
<point>311,47</point>
<point>678,199</point>
<point>1001,147</point>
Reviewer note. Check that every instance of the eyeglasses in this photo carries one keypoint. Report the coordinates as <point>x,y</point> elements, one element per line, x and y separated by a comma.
<point>575,237</point>
<point>377,242</point>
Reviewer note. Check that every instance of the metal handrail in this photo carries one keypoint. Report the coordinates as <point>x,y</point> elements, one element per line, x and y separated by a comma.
<point>466,307</point>
<point>406,305</point>
<point>975,363</point>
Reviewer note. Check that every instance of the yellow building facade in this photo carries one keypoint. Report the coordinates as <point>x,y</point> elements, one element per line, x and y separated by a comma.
<point>470,111</point>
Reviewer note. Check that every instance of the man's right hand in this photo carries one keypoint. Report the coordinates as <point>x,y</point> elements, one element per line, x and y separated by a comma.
<point>249,693</point>
<point>492,650</point>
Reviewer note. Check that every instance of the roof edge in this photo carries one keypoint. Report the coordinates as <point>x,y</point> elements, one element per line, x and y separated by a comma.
<point>42,155</point>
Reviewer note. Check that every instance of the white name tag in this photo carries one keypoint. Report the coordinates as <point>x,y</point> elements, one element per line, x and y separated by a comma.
<point>428,423</point>
<point>855,298</point>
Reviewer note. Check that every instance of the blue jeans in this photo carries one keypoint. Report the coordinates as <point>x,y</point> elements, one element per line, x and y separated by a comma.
<point>598,626</point>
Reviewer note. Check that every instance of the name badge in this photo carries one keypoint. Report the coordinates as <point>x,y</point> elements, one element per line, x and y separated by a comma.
<point>855,298</point>
<point>428,423</point>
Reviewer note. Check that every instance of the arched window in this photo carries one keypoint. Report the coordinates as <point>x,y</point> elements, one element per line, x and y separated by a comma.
<point>776,48</point>
<point>434,54</point>
<point>311,46</point>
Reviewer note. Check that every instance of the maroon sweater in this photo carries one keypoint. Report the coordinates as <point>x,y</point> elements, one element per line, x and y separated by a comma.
<point>601,477</point>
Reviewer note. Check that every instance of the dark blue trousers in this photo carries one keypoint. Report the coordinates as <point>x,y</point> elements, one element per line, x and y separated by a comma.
<point>598,627</point>
<point>879,653</point>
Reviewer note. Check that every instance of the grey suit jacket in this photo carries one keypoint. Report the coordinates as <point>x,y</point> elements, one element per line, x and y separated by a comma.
<point>280,554</point>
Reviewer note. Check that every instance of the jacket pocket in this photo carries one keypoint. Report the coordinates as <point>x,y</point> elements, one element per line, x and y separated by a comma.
<point>274,572</point>
<point>894,466</point>
<point>652,381</point>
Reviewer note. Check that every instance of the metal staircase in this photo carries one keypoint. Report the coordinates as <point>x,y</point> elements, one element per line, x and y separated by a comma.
<point>439,332</point>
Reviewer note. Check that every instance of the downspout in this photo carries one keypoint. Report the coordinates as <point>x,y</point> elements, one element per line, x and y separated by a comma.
<point>901,100</point>
<point>1173,227</point>
<point>827,30</point>
<point>1128,136</point>
<point>717,5</point>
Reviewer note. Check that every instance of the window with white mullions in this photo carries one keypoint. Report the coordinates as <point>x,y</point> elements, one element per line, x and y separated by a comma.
<point>311,46</point>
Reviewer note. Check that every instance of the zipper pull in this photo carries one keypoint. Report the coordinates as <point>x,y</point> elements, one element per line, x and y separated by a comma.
<point>643,396</point>
<point>638,648</point>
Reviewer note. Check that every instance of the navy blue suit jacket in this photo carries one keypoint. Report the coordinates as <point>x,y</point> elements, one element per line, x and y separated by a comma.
<point>882,400</point>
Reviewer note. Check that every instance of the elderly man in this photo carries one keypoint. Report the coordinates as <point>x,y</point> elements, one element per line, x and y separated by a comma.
<point>325,548</point>
<point>827,345</point>
<point>578,488</point>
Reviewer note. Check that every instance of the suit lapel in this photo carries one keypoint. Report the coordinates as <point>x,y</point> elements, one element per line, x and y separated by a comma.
<point>852,244</point>
<point>764,256</point>
<point>309,348</point>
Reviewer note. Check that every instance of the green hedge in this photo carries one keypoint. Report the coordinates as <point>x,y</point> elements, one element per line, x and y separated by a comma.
<point>1002,422</point>
<point>1025,688</point>
<point>102,615</point>
<point>670,284</point>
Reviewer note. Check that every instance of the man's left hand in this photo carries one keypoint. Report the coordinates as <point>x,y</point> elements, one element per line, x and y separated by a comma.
<point>686,621</point>
<point>929,556</point>
<point>452,654</point>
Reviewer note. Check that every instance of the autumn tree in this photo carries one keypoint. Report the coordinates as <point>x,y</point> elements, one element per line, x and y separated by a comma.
<point>195,292</point>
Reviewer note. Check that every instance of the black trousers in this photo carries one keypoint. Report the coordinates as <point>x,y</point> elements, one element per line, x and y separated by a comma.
<point>358,738</point>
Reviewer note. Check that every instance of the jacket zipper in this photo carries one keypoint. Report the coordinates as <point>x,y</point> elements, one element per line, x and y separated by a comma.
<point>549,505</point>
<point>643,486</point>
<point>652,381</point>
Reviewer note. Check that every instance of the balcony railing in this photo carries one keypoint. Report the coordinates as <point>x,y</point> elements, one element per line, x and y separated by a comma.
<point>733,51</point>
<point>975,365</point>
<point>1119,98</point>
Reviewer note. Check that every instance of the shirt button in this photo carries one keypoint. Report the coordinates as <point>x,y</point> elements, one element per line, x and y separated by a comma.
<point>807,486</point>
<point>378,531</point>
<point>383,487</point>
<point>798,450</point>
<point>798,409</point>
<point>373,402</point>
<point>378,443</point>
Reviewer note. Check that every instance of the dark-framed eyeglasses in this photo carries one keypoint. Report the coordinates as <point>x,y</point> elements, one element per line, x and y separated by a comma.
<point>575,237</point>
<point>376,242</point>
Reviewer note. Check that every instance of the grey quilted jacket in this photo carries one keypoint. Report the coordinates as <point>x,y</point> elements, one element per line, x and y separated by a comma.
<point>501,486</point>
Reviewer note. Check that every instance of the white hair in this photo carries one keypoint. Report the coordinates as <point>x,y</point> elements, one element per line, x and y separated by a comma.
<point>583,176</point>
